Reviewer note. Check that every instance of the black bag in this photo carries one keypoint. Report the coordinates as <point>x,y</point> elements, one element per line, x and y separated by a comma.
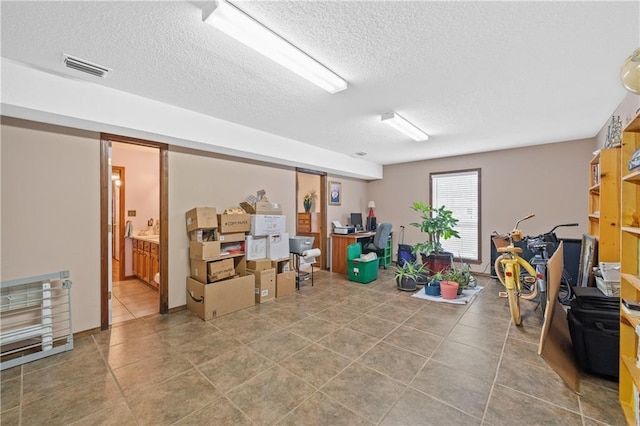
<point>594,325</point>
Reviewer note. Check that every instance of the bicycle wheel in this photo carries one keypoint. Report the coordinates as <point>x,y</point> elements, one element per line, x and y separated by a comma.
<point>514,306</point>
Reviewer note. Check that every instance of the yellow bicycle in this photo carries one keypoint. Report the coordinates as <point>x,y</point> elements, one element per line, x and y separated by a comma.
<point>508,268</point>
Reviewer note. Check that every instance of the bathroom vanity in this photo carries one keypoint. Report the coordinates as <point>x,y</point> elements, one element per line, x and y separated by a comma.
<point>145,259</point>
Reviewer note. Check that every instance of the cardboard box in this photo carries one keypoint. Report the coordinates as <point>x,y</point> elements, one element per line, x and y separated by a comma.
<point>206,271</point>
<point>228,223</point>
<point>231,238</point>
<point>220,269</point>
<point>198,270</point>
<point>204,251</point>
<point>262,224</point>
<point>210,301</point>
<point>265,284</point>
<point>259,264</point>
<point>255,247</point>
<point>201,217</point>
<point>282,265</point>
<point>285,283</point>
<point>203,235</point>
<point>277,246</point>
<point>267,207</point>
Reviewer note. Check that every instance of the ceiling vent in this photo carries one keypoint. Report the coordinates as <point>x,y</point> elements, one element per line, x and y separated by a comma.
<point>85,66</point>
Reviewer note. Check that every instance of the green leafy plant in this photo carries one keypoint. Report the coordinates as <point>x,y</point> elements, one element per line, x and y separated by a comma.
<point>461,275</point>
<point>438,223</point>
<point>411,271</point>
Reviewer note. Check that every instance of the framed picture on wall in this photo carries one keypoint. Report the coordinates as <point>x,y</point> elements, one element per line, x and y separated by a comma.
<point>335,193</point>
<point>588,253</point>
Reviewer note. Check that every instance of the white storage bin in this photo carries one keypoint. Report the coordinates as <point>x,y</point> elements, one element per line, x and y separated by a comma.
<point>610,271</point>
<point>610,288</point>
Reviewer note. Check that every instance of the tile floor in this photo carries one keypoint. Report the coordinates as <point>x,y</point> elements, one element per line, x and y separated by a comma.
<point>133,299</point>
<point>339,353</point>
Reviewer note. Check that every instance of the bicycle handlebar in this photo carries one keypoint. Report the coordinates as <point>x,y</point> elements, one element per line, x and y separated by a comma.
<point>523,219</point>
<point>564,224</point>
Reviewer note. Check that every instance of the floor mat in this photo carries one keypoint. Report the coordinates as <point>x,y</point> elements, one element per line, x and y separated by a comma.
<point>467,296</point>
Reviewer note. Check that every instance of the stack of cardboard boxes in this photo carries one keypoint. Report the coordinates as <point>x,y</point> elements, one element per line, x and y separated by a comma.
<point>232,270</point>
<point>267,249</point>
<point>219,283</point>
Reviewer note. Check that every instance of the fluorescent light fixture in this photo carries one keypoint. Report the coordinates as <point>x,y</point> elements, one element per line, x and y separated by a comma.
<point>237,24</point>
<point>402,125</point>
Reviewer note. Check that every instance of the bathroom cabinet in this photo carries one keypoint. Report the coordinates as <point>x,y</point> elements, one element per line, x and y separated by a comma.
<point>145,261</point>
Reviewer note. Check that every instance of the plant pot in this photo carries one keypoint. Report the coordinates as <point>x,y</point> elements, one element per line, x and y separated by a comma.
<point>432,289</point>
<point>406,284</point>
<point>437,262</point>
<point>449,289</point>
<point>459,293</point>
<point>423,279</point>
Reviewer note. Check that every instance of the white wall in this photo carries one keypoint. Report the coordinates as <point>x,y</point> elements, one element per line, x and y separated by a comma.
<point>549,180</point>
<point>50,206</point>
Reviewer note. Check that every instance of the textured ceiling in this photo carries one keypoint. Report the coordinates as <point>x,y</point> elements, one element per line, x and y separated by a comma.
<point>476,76</point>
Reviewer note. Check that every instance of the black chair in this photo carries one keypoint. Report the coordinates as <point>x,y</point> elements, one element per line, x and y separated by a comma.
<point>379,242</point>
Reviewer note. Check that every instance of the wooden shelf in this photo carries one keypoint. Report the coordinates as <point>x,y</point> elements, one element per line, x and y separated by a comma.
<point>632,369</point>
<point>634,280</point>
<point>631,230</point>
<point>629,282</point>
<point>633,177</point>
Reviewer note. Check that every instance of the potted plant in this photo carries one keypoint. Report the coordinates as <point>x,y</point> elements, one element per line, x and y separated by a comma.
<point>409,275</point>
<point>461,276</point>
<point>439,224</point>
<point>308,200</point>
<point>432,287</point>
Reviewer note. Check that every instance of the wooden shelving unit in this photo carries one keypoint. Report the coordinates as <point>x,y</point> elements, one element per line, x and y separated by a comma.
<point>630,272</point>
<point>604,203</point>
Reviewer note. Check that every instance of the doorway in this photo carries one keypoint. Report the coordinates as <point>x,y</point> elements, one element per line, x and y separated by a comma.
<point>134,247</point>
<point>312,218</point>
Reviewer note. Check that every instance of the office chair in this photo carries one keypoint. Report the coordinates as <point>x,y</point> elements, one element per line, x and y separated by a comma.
<point>379,242</point>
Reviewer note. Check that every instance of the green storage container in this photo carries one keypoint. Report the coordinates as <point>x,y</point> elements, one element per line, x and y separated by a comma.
<point>354,251</point>
<point>360,271</point>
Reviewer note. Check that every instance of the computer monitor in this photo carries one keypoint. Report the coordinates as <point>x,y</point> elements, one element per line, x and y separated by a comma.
<point>356,220</point>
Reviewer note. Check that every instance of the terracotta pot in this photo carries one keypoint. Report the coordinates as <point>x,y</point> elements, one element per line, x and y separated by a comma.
<point>449,289</point>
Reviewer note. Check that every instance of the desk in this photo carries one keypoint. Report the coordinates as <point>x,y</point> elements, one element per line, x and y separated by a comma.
<point>339,244</point>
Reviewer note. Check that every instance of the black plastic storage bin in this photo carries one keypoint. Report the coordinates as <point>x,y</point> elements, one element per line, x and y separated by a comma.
<point>594,325</point>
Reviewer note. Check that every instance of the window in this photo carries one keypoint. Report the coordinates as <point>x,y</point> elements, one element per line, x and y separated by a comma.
<point>459,192</point>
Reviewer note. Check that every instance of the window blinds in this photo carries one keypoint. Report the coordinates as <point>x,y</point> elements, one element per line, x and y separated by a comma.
<point>459,192</point>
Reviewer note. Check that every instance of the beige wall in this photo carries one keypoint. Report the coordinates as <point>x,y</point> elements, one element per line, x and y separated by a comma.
<point>51,209</point>
<point>198,179</point>
<point>549,181</point>
<point>50,200</point>
<point>306,184</point>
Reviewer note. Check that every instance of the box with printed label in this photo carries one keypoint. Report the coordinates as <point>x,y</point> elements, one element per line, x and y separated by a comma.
<point>203,235</point>
<point>201,217</point>
<point>259,264</point>
<point>209,250</point>
<point>220,269</point>
<point>214,300</point>
<point>281,265</point>
<point>232,237</point>
<point>267,207</point>
<point>285,283</point>
<point>255,247</point>
<point>265,284</point>
<point>233,223</point>
<point>277,246</point>
<point>263,224</point>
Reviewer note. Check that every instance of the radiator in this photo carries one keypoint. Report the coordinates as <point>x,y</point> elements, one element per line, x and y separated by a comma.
<point>35,318</point>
